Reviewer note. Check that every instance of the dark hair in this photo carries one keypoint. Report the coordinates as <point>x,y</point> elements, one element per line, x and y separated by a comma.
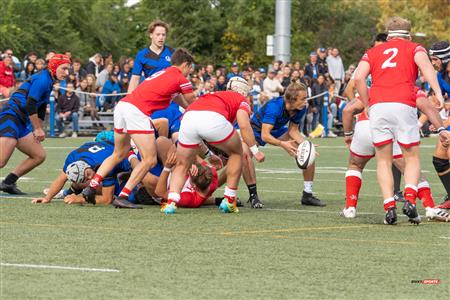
<point>157,23</point>
<point>181,56</point>
<point>203,178</point>
<point>292,91</point>
<point>381,37</point>
<point>76,60</point>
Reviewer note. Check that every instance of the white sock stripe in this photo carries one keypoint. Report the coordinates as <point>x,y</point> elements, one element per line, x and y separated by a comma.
<point>353,173</point>
<point>411,186</point>
<point>388,200</point>
<point>174,196</point>
<point>423,184</point>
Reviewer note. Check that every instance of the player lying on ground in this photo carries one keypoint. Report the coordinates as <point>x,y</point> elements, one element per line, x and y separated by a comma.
<point>393,114</point>
<point>21,121</point>
<point>277,123</point>
<point>131,121</point>
<point>210,118</point>
<point>362,150</point>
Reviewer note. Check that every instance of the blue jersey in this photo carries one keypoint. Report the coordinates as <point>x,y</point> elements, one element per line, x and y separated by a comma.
<point>445,86</point>
<point>94,153</point>
<point>149,62</point>
<point>173,114</point>
<point>14,119</point>
<point>274,112</point>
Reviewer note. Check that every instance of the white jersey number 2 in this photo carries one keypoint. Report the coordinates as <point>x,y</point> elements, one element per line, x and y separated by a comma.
<point>388,62</point>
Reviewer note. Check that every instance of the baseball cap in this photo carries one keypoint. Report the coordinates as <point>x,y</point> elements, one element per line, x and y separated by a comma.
<point>262,70</point>
<point>234,64</point>
<point>322,50</point>
<point>313,53</point>
<point>272,71</point>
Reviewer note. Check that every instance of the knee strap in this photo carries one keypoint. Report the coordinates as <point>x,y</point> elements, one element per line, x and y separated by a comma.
<point>440,165</point>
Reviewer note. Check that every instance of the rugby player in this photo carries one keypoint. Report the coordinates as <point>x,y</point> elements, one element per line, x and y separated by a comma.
<point>131,121</point>
<point>393,114</point>
<point>21,120</point>
<point>210,118</point>
<point>277,123</point>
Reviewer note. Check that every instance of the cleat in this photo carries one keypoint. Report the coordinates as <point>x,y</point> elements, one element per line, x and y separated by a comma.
<point>89,195</point>
<point>445,204</point>
<point>391,216</point>
<point>218,201</point>
<point>168,209</point>
<point>10,189</point>
<point>436,213</point>
<point>348,213</point>
<point>255,202</point>
<point>398,197</point>
<point>227,207</point>
<point>411,212</point>
<point>122,202</point>
<point>309,199</point>
<point>144,198</point>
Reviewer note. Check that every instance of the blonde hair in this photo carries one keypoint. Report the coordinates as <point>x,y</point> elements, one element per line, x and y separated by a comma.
<point>397,26</point>
<point>157,23</point>
<point>292,91</point>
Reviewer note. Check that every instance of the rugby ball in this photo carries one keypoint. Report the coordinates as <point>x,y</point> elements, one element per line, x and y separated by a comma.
<point>306,154</point>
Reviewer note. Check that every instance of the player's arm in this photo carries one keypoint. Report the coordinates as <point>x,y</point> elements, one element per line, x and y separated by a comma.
<point>426,69</point>
<point>294,133</point>
<point>134,82</point>
<point>353,108</point>
<point>54,189</point>
<point>105,198</point>
<point>185,99</point>
<point>425,106</point>
<point>362,71</point>
<point>267,137</point>
<point>349,91</point>
<point>161,186</point>
<point>243,120</point>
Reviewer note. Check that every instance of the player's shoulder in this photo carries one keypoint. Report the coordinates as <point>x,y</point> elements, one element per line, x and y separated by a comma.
<point>169,49</point>
<point>275,104</point>
<point>143,52</point>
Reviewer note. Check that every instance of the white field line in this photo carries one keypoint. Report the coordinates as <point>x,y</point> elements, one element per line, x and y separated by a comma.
<point>59,268</point>
<point>445,237</point>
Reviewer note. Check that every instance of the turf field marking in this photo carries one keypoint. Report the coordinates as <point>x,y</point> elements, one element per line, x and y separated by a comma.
<point>445,237</point>
<point>58,268</point>
<point>289,230</point>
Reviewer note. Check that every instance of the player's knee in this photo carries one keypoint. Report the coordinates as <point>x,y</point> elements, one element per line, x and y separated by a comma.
<point>440,165</point>
<point>40,157</point>
<point>149,161</point>
<point>3,162</point>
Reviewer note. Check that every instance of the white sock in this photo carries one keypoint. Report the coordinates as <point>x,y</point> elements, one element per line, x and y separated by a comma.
<point>175,197</point>
<point>230,192</point>
<point>308,187</point>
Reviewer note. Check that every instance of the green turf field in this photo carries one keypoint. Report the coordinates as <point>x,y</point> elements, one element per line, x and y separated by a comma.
<point>285,251</point>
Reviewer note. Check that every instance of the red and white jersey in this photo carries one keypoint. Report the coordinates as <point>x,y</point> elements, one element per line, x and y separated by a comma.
<point>189,196</point>
<point>225,103</point>
<point>156,91</point>
<point>393,71</point>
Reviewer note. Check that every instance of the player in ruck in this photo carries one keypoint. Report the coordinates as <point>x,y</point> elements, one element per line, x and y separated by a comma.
<point>211,118</point>
<point>21,120</point>
<point>393,114</point>
<point>131,121</point>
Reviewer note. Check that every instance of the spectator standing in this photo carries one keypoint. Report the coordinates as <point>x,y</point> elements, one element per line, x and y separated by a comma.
<point>31,57</point>
<point>318,88</point>
<point>67,109</point>
<point>7,80</point>
<point>234,71</point>
<point>272,86</point>
<point>94,65</point>
<point>336,68</point>
<point>91,88</point>
<point>314,68</point>
<point>209,72</point>
<point>85,98</point>
<point>322,58</point>
<point>154,58</point>
<point>79,72</point>
<point>286,77</point>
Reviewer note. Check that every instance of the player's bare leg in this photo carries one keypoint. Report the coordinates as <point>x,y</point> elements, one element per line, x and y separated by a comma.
<point>412,175</point>
<point>185,158</point>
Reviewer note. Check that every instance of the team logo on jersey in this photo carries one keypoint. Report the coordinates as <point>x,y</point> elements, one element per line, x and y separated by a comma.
<point>168,58</point>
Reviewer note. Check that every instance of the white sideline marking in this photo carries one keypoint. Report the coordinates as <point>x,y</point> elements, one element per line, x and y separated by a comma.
<point>313,211</point>
<point>445,237</point>
<point>59,268</point>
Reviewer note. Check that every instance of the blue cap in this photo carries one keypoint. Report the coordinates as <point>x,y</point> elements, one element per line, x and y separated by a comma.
<point>234,64</point>
<point>313,53</point>
<point>262,70</point>
<point>322,50</point>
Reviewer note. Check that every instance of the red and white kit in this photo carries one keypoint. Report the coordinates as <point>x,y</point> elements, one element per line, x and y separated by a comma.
<point>132,113</point>
<point>211,118</point>
<point>189,197</point>
<point>392,100</point>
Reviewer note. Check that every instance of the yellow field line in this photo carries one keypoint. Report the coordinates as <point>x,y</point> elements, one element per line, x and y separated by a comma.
<point>294,229</point>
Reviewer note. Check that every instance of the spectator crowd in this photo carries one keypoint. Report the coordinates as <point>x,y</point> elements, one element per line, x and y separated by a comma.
<point>77,96</point>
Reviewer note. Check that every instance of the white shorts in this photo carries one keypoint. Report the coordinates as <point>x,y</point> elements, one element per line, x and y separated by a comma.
<point>129,119</point>
<point>391,121</point>
<point>204,125</point>
<point>362,145</point>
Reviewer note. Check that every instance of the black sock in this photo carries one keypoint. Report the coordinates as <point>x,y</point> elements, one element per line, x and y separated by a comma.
<point>397,179</point>
<point>252,189</point>
<point>11,178</point>
<point>442,166</point>
<point>445,179</point>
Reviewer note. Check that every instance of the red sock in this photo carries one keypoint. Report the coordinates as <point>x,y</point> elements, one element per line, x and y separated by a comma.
<point>125,192</point>
<point>352,186</point>
<point>230,199</point>
<point>230,194</point>
<point>96,181</point>
<point>410,193</point>
<point>389,203</point>
<point>424,194</point>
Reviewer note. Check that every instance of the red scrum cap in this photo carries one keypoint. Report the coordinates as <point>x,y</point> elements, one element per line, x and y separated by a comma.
<point>56,61</point>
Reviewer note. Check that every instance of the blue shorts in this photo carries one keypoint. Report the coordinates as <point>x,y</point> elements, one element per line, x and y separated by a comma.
<point>12,126</point>
<point>157,170</point>
<point>274,133</point>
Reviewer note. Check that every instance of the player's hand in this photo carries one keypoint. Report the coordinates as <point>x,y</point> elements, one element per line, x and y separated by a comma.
<point>171,160</point>
<point>74,199</point>
<point>444,137</point>
<point>441,100</point>
<point>193,170</point>
<point>290,147</point>
<point>259,156</point>
<point>215,161</point>
<point>348,140</point>
<point>39,134</point>
<point>40,200</point>
<point>432,128</point>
